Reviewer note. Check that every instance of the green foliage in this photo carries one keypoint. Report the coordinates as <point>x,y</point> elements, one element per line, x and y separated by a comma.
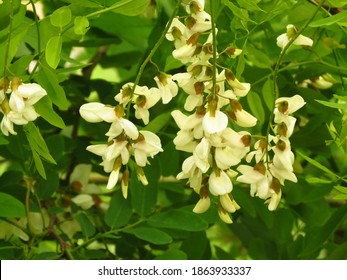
<point>83,51</point>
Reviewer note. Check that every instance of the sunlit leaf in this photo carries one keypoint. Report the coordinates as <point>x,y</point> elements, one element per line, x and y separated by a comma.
<point>151,235</point>
<point>130,7</point>
<point>11,207</point>
<point>61,16</point>
<point>44,108</point>
<point>338,18</point>
<point>53,50</point>
<point>81,25</point>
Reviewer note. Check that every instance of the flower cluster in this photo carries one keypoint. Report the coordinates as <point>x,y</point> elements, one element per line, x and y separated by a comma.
<point>17,101</point>
<point>214,96</point>
<point>273,156</point>
<point>124,141</point>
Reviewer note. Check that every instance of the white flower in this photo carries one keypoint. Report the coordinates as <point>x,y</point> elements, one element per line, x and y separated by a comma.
<point>167,87</point>
<point>113,179</point>
<point>260,148</point>
<point>110,152</point>
<point>288,105</point>
<point>191,172</point>
<point>7,126</point>
<point>301,40</point>
<point>201,155</point>
<point>148,145</point>
<point>202,205</point>
<point>178,33</point>
<point>191,86</point>
<point>240,89</point>
<point>184,53</point>
<point>226,157</point>
<point>219,184</point>
<point>125,94</point>
<point>85,201</point>
<point>224,215</point>
<point>121,125</point>
<point>282,174</point>
<point>214,122</point>
<point>284,157</point>
<point>97,112</point>
<point>274,195</point>
<point>79,179</point>
<point>257,177</point>
<point>145,100</point>
<point>228,203</point>
<point>322,82</point>
<point>25,95</point>
<point>243,118</point>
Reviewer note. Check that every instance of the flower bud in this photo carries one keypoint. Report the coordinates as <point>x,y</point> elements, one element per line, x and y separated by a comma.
<point>125,183</point>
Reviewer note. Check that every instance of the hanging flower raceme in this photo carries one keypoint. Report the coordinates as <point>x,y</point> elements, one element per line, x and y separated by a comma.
<point>273,156</point>
<point>18,108</point>
<point>124,141</point>
<point>215,148</point>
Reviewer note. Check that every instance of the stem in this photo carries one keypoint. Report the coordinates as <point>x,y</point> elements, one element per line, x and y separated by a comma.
<point>105,234</point>
<point>8,39</point>
<point>37,24</point>
<point>27,202</point>
<point>152,52</point>
<point>214,54</point>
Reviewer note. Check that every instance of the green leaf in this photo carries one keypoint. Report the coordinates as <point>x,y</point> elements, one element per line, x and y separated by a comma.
<point>169,160</point>
<point>257,57</point>
<point>20,66</point>
<point>338,18</point>
<point>256,106</point>
<point>46,188</point>
<point>44,108</point>
<point>341,189</point>
<point>61,16</point>
<point>46,256</point>
<point>173,254</point>
<point>88,228</point>
<point>130,7</point>
<point>81,25</point>
<point>37,143</point>
<point>178,219</point>
<point>318,165</point>
<point>238,12</point>
<point>119,212</point>
<point>49,81</point>
<point>250,5</point>
<point>268,94</point>
<point>283,226</point>
<point>197,246</point>
<point>158,122</point>
<point>335,105</point>
<point>337,3</point>
<point>11,207</point>
<point>316,237</point>
<point>3,140</point>
<point>39,165</point>
<point>152,235</point>
<point>144,198</point>
<point>53,50</point>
